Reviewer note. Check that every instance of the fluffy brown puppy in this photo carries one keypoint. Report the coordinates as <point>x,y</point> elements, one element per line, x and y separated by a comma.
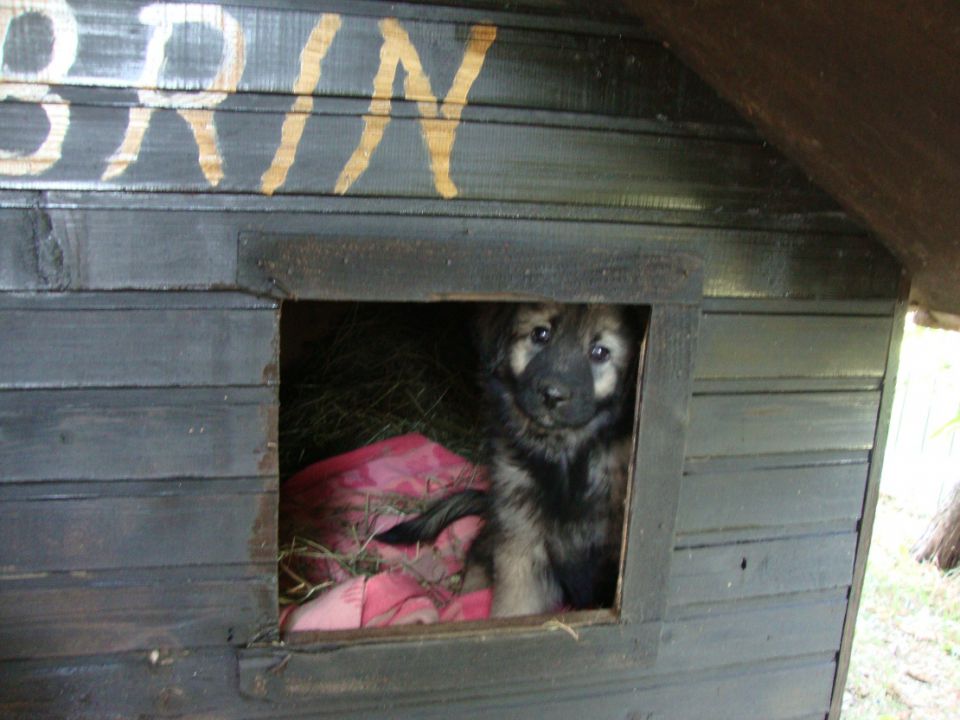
<point>559,382</point>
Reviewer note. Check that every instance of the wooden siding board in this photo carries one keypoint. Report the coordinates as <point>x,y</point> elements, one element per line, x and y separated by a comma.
<point>117,532</point>
<point>780,628</point>
<point>490,161</point>
<point>384,269</point>
<point>880,307</point>
<point>132,433</point>
<point>832,225</point>
<point>202,682</point>
<point>773,499</point>
<point>137,348</point>
<point>776,692</point>
<point>772,346</point>
<point>870,497</point>
<point>619,72</point>
<point>670,349</point>
<point>185,247</point>
<point>18,251</point>
<point>773,461</point>
<point>178,486</point>
<point>724,425</point>
<point>753,569</point>
<point>60,302</point>
<point>93,613</point>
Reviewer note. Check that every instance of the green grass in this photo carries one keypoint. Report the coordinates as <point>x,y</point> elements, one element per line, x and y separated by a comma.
<point>906,651</point>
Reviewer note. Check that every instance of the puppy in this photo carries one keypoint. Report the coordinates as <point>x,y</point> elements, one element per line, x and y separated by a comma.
<point>559,382</point>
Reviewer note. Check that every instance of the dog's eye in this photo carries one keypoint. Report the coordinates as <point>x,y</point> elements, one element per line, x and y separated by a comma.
<point>540,335</point>
<point>599,353</point>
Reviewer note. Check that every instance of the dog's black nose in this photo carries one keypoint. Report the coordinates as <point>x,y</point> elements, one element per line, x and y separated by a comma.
<point>554,394</point>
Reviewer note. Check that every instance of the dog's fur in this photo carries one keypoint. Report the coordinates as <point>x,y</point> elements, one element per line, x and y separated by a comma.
<point>559,381</point>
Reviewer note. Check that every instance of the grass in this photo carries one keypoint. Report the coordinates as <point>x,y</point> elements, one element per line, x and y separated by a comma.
<point>905,663</point>
<point>906,651</point>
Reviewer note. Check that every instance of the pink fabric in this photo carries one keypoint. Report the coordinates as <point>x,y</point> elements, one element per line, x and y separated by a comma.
<point>347,499</point>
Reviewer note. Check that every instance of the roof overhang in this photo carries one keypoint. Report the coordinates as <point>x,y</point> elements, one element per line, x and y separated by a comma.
<point>863,94</point>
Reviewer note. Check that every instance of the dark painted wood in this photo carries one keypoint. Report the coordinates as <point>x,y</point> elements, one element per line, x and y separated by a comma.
<point>130,434</point>
<point>791,346</point>
<point>877,307</point>
<point>771,500</point>
<point>838,90</point>
<point>778,692</point>
<point>98,612</point>
<point>831,222</point>
<point>378,269</point>
<point>387,269</point>
<point>66,302</point>
<point>202,682</point>
<point>774,461</point>
<point>781,422</point>
<point>755,386</point>
<point>122,346</point>
<point>169,683</point>
<point>164,487</point>
<point>743,633</point>
<point>771,567</point>
<point>337,674</point>
<point>143,533</point>
<point>667,371</point>
<point>158,248</point>
<point>870,497</point>
<point>132,532</point>
<point>610,69</point>
<point>548,164</point>
<point>19,251</point>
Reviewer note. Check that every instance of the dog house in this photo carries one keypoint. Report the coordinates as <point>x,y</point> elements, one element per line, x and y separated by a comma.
<point>172,175</point>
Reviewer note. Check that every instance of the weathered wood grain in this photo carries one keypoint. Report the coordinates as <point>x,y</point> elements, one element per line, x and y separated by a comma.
<point>778,692</point>
<point>751,633</point>
<point>771,567</point>
<point>203,682</point>
<point>667,371</point>
<point>159,249</point>
<point>134,532</point>
<point>870,499</point>
<point>128,533</point>
<point>830,222</point>
<point>490,161</point>
<point>130,434</point>
<point>120,347</point>
<point>96,612</point>
<point>19,250</point>
<point>609,69</point>
<point>781,422</point>
<point>791,346</point>
<point>385,269</point>
<point>770,500</point>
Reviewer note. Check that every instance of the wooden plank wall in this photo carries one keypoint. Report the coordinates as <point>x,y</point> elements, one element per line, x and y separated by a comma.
<point>138,374</point>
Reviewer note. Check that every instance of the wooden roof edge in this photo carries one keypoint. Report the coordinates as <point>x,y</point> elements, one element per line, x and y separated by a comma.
<point>864,95</point>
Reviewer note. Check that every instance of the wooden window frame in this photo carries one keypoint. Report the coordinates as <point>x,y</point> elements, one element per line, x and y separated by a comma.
<point>333,667</point>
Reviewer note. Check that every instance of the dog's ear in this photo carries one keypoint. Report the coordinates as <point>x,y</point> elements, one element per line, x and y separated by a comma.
<point>492,330</point>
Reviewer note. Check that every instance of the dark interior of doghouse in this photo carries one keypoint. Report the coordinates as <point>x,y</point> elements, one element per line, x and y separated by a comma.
<point>354,374</point>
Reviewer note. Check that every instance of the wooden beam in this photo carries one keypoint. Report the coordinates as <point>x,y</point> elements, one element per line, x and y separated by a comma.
<point>863,94</point>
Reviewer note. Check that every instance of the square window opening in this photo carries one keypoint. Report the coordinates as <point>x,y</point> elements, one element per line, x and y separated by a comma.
<point>386,408</point>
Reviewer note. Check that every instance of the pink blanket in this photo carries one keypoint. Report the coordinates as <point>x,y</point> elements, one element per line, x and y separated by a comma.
<point>344,501</point>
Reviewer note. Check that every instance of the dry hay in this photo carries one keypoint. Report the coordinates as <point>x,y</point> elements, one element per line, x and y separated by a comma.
<point>381,371</point>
